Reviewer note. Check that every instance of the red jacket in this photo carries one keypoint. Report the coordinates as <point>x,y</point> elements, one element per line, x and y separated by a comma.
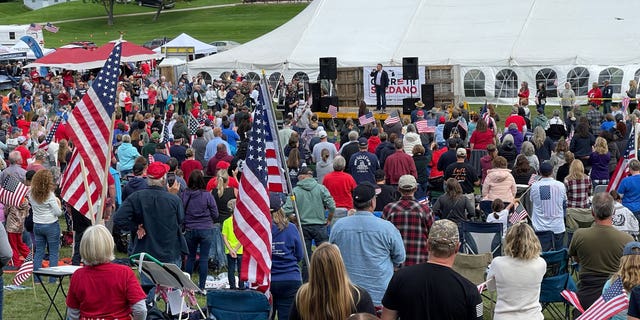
<point>435,156</point>
<point>514,118</point>
<point>374,141</point>
<point>397,165</point>
<point>595,96</point>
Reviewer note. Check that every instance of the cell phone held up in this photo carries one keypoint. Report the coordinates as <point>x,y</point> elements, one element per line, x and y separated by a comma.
<point>171,179</point>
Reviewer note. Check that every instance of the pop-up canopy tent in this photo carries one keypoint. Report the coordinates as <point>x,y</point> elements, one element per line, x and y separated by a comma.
<point>185,40</point>
<point>79,58</point>
<point>493,45</point>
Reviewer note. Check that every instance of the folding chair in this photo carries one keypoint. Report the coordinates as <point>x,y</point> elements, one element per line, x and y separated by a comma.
<point>478,238</point>
<point>166,277</point>
<point>556,279</point>
<point>474,268</point>
<point>237,305</point>
<point>546,240</point>
<point>600,188</point>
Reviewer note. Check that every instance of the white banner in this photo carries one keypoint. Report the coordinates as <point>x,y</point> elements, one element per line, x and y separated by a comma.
<point>398,88</point>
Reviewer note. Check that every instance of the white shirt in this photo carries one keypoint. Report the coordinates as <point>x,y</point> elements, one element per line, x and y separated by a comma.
<point>503,217</point>
<point>549,199</point>
<point>379,78</point>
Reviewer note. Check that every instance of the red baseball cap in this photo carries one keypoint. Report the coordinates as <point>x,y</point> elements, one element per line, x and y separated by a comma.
<point>157,170</point>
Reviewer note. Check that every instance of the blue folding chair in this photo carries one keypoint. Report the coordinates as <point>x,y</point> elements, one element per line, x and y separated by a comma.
<point>237,305</point>
<point>556,279</point>
<point>479,238</point>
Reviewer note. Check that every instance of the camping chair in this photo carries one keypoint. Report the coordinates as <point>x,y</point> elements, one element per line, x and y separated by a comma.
<point>473,267</point>
<point>237,305</point>
<point>546,240</point>
<point>168,278</point>
<point>556,279</point>
<point>600,188</point>
<point>478,238</point>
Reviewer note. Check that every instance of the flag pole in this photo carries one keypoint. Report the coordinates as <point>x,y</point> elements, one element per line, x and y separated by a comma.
<point>287,177</point>
<point>105,185</point>
<point>86,190</point>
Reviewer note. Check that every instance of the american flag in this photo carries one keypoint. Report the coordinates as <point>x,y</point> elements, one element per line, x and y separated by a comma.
<point>519,214</point>
<point>612,301</point>
<point>164,137</point>
<point>151,159</point>
<point>51,28</point>
<point>424,201</point>
<point>25,271</point>
<point>622,169</point>
<point>423,127</point>
<point>251,217</point>
<point>12,191</point>
<point>462,123</point>
<point>35,27</point>
<point>572,297</point>
<point>392,118</point>
<point>52,133</point>
<point>277,180</point>
<point>366,118</point>
<point>333,111</point>
<point>88,128</point>
<point>625,105</point>
<point>194,125</point>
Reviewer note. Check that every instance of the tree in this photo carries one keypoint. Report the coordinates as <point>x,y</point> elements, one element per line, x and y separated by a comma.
<point>108,7</point>
<point>160,7</point>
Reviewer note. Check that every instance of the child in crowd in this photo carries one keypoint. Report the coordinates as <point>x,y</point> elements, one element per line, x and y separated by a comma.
<point>232,248</point>
<point>500,214</point>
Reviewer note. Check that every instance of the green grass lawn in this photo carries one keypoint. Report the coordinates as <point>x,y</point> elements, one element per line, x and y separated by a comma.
<point>241,23</point>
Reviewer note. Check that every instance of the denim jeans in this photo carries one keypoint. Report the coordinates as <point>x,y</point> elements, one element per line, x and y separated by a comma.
<point>231,271</point>
<point>199,238</point>
<point>217,247</point>
<point>46,234</point>
<point>283,293</point>
<point>318,233</point>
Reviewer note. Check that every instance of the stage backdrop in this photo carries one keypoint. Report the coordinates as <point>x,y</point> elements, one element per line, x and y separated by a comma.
<point>398,88</point>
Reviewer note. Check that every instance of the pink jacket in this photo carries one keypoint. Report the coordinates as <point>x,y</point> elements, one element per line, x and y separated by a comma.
<point>499,184</point>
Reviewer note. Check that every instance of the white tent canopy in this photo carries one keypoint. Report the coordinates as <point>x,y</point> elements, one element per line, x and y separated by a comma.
<point>185,40</point>
<point>522,35</point>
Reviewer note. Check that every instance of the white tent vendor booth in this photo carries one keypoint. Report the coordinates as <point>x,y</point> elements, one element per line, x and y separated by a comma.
<point>491,45</point>
<point>185,40</point>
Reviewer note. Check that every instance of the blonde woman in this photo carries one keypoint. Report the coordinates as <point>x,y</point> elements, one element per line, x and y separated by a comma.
<point>631,93</point>
<point>329,294</point>
<point>578,186</point>
<point>542,144</point>
<point>517,275</point>
<point>46,210</point>
<point>599,161</point>
<point>629,273</point>
<point>116,283</point>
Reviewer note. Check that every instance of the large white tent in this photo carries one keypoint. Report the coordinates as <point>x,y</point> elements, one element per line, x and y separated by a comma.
<point>492,44</point>
<point>185,40</point>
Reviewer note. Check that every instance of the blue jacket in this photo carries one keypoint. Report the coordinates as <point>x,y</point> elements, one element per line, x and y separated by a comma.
<point>286,252</point>
<point>134,184</point>
<point>127,155</point>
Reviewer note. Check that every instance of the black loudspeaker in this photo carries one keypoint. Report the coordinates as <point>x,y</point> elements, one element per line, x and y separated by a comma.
<point>328,68</point>
<point>409,104</point>
<point>428,96</point>
<point>315,96</point>
<point>325,102</point>
<point>410,68</point>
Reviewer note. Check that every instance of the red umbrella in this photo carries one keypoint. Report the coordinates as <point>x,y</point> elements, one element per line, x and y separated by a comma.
<point>70,57</point>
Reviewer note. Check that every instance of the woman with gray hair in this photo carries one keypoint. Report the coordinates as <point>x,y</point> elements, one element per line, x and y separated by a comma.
<point>121,296</point>
<point>411,139</point>
<point>126,154</point>
<point>529,152</point>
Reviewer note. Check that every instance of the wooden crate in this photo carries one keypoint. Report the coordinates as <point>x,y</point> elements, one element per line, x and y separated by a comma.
<point>349,86</point>
<point>441,77</point>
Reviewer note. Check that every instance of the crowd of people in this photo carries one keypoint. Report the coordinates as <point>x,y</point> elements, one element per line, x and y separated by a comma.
<point>382,202</point>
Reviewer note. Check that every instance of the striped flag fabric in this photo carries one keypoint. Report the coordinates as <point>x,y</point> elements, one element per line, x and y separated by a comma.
<point>572,297</point>
<point>12,191</point>
<point>622,169</point>
<point>164,137</point>
<point>333,111</point>
<point>392,118</point>
<point>88,128</point>
<point>612,301</point>
<point>35,27</point>
<point>251,217</point>
<point>366,118</point>
<point>194,125</point>
<point>51,28</point>
<point>52,133</point>
<point>423,127</point>
<point>277,181</point>
<point>151,159</point>
<point>519,214</point>
<point>25,271</point>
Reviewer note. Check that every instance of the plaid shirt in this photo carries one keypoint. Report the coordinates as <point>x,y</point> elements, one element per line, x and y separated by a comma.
<point>578,192</point>
<point>595,120</point>
<point>414,221</point>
